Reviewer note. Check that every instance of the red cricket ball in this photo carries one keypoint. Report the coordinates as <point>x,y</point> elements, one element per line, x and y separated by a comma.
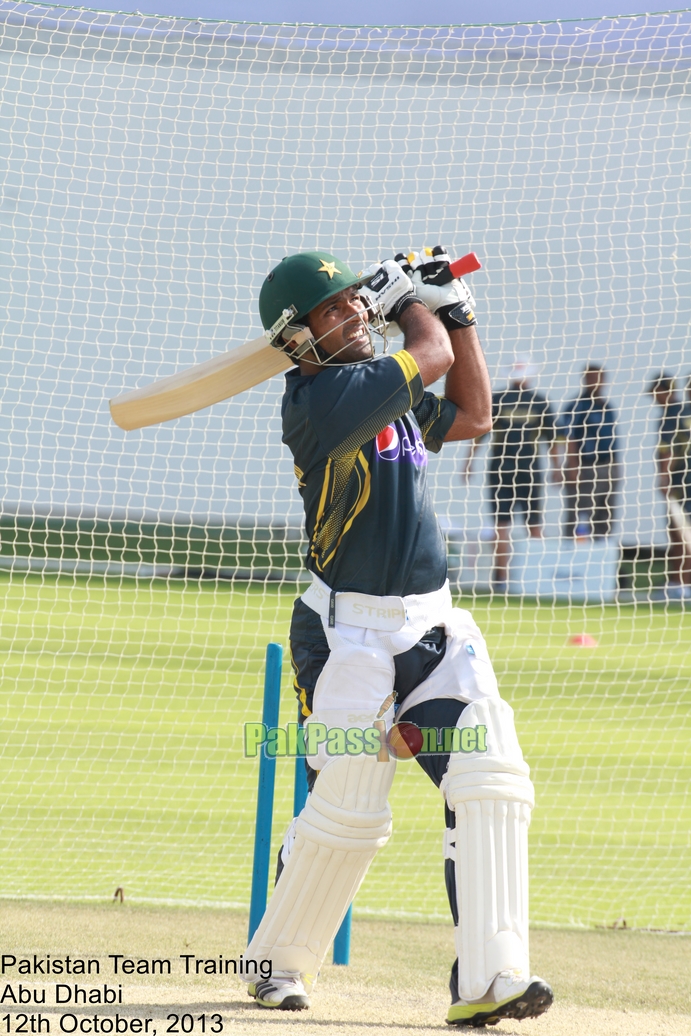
<point>404,740</point>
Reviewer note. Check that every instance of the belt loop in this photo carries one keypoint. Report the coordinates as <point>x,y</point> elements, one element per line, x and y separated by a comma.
<point>332,610</point>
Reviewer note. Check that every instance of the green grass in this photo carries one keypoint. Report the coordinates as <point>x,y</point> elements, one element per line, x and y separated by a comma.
<point>121,716</point>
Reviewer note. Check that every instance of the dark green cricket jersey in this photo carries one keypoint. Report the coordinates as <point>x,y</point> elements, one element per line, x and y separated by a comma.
<point>675,441</point>
<point>359,436</point>
<point>521,419</point>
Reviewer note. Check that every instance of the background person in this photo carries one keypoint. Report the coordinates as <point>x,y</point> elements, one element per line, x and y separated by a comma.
<point>673,458</point>
<point>587,424</point>
<point>522,418</point>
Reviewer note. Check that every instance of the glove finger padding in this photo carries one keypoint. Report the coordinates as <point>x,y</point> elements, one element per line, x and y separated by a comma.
<point>433,265</point>
<point>388,288</point>
<point>430,272</point>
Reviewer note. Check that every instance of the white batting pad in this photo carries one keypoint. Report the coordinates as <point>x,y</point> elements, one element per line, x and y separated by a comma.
<point>350,690</point>
<point>345,821</point>
<point>492,796</point>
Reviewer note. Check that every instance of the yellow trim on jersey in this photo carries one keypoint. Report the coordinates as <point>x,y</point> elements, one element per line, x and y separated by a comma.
<point>406,361</point>
<point>322,498</point>
<point>360,504</point>
<point>302,695</point>
<point>337,475</point>
<point>303,699</point>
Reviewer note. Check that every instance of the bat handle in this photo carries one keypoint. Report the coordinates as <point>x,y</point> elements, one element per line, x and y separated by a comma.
<point>466,264</point>
<point>383,754</point>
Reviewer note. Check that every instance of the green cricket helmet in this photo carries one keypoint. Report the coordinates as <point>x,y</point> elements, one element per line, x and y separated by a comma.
<point>298,284</point>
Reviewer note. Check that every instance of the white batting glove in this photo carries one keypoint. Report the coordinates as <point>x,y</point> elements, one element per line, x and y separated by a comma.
<point>388,288</point>
<point>453,303</point>
<point>434,283</point>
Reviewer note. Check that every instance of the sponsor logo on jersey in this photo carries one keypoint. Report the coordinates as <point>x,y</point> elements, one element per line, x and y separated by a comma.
<point>398,442</point>
<point>388,443</point>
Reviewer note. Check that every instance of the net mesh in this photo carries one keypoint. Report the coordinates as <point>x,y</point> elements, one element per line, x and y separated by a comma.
<point>152,172</point>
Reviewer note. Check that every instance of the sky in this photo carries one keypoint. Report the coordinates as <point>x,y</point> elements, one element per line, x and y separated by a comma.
<point>380,12</point>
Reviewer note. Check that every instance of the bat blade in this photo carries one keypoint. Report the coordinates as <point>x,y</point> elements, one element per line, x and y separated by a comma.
<point>200,386</point>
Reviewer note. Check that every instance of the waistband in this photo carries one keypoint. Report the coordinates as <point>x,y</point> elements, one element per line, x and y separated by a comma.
<point>388,614</point>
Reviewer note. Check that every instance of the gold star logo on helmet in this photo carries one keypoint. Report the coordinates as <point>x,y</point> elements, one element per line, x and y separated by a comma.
<point>329,268</point>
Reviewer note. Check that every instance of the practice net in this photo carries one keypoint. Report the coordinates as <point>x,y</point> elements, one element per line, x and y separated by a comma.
<point>152,172</point>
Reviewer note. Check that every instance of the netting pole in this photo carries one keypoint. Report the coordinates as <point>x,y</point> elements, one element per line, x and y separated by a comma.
<point>265,792</point>
<point>342,938</point>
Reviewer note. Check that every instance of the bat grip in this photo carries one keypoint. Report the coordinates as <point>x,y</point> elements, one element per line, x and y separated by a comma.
<point>466,264</point>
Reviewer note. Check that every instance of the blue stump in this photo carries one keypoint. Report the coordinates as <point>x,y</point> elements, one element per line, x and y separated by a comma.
<point>265,794</point>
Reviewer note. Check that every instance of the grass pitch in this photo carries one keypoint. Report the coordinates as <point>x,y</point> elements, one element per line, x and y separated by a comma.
<point>121,766</point>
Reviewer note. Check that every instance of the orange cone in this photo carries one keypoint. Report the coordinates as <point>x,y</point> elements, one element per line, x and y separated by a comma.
<point>583,640</point>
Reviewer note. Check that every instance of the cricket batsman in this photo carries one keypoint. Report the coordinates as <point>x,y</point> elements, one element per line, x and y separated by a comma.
<point>376,636</point>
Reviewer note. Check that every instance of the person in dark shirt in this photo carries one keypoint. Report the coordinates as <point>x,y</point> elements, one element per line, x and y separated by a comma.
<point>673,457</point>
<point>372,526</point>
<point>591,476</point>
<point>521,419</point>
<point>376,633</point>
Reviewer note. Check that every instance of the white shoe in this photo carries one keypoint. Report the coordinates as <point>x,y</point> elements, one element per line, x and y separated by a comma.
<point>284,990</point>
<point>509,996</point>
<point>506,985</point>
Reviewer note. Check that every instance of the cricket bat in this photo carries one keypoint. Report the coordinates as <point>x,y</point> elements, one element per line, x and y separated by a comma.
<point>200,386</point>
<point>380,725</point>
<point>216,379</point>
<point>680,520</point>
